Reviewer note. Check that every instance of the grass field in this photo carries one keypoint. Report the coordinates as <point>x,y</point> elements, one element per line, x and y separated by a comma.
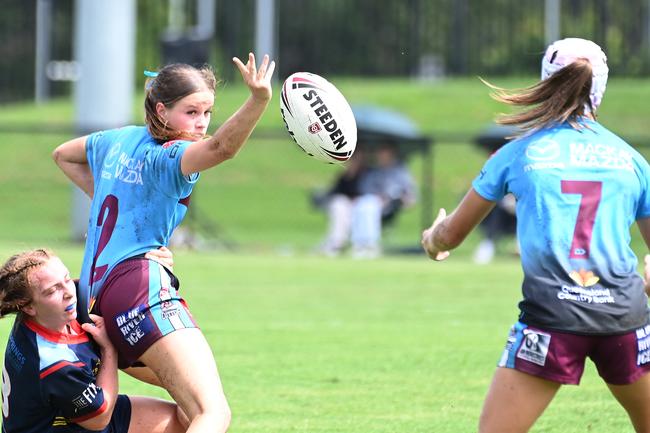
<point>308,344</point>
<point>396,345</point>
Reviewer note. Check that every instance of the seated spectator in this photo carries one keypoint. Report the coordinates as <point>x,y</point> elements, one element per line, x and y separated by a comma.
<point>370,192</point>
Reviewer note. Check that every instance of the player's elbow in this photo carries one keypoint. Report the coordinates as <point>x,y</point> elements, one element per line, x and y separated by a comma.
<point>57,155</point>
<point>225,153</point>
<point>99,422</point>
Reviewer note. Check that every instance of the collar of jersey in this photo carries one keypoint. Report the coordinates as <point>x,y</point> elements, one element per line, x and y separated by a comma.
<point>59,337</point>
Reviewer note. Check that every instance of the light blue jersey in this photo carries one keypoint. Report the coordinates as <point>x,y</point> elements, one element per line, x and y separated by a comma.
<point>578,193</point>
<point>140,197</point>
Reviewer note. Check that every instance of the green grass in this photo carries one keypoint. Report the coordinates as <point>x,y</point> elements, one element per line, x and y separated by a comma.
<point>307,344</point>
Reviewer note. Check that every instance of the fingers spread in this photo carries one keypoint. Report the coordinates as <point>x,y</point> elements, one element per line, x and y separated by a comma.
<point>240,65</point>
<point>269,72</point>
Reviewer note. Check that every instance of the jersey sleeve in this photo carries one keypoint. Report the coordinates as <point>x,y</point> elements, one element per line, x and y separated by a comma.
<point>491,182</point>
<point>72,389</point>
<point>166,171</point>
<point>643,207</point>
<point>99,145</point>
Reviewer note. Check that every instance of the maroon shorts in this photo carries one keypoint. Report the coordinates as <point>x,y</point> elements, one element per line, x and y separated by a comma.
<point>560,357</point>
<point>140,304</point>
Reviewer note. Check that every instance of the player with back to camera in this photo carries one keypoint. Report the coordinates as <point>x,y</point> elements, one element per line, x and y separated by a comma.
<point>54,379</point>
<point>578,188</point>
<point>140,180</point>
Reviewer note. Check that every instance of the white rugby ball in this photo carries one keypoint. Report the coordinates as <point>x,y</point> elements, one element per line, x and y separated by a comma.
<point>318,117</point>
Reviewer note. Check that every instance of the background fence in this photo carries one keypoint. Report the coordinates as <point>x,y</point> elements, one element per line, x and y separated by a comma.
<point>349,37</point>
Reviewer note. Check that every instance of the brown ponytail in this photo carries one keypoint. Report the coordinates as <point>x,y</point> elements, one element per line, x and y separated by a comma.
<point>15,287</point>
<point>560,98</point>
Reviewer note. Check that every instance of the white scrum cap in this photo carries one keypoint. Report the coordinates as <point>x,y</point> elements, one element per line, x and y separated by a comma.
<point>566,51</point>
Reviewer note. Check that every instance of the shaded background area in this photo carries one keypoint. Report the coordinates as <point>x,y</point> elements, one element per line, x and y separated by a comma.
<point>412,38</point>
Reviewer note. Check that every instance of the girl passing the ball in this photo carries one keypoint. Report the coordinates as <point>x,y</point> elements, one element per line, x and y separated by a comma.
<point>579,188</point>
<point>54,378</point>
<point>140,180</point>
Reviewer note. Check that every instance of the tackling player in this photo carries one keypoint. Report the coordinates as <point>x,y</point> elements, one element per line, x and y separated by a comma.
<point>140,180</point>
<point>54,378</point>
<point>579,188</point>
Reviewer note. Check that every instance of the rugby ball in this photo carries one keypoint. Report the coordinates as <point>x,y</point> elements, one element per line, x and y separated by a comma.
<point>318,117</point>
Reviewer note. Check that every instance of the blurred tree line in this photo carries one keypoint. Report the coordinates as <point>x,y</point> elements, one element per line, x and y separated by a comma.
<point>425,38</point>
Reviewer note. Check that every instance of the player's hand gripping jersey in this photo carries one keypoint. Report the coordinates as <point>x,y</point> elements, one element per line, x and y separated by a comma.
<point>140,197</point>
<point>49,380</point>
<point>578,193</point>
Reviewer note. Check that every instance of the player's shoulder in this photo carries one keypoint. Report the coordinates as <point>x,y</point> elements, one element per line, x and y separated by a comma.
<point>55,351</point>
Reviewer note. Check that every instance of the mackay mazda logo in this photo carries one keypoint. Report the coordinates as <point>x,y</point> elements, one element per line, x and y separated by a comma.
<point>543,150</point>
<point>112,155</point>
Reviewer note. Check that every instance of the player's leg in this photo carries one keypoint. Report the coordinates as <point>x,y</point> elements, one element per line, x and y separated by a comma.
<point>635,399</point>
<point>534,364</point>
<point>154,326</point>
<point>186,368</point>
<point>624,366</point>
<point>514,401</point>
<point>150,415</point>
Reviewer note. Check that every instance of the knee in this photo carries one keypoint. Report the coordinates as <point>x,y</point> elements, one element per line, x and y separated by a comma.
<point>218,415</point>
<point>223,417</point>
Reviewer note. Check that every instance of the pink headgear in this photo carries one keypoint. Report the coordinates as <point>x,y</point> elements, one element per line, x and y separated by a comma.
<point>566,51</point>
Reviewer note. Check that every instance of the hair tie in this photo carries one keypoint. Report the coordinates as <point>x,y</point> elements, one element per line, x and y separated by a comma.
<point>151,75</point>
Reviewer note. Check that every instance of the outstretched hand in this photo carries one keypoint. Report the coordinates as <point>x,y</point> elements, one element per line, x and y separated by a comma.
<point>257,80</point>
<point>427,239</point>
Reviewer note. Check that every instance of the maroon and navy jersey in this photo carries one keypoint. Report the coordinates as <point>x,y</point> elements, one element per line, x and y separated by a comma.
<point>48,380</point>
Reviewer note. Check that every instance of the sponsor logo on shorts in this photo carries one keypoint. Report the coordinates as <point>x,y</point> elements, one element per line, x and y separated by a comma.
<point>534,347</point>
<point>167,307</point>
<point>643,345</point>
<point>133,324</point>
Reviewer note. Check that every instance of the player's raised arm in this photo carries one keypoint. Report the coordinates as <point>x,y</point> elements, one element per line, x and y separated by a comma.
<point>231,136</point>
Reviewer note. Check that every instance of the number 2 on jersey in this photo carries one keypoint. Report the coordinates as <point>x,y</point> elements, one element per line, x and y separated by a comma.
<point>107,223</point>
<point>591,192</point>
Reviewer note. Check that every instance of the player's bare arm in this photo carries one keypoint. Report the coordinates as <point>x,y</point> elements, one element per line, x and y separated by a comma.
<point>107,376</point>
<point>448,232</point>
<point>71,159</point>
<point>231,136</point>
